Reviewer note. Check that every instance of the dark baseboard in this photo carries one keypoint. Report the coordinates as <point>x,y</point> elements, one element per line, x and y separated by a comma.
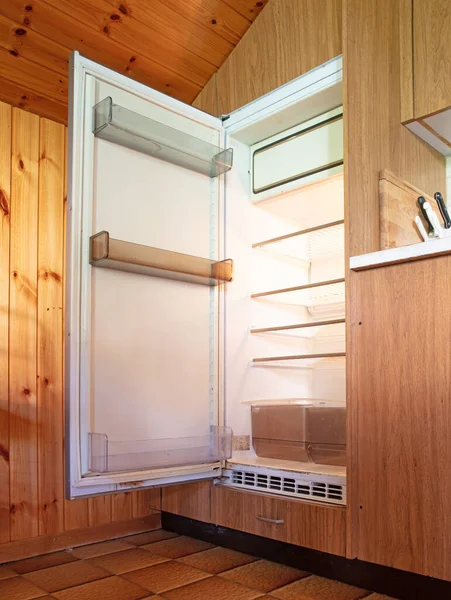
<point>384,580</point>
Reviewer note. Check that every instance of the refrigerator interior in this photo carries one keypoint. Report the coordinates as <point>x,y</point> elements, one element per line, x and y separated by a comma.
<point>284,237</point>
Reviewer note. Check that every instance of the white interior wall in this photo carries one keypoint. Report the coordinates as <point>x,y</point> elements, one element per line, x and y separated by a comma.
<point>258,270</point>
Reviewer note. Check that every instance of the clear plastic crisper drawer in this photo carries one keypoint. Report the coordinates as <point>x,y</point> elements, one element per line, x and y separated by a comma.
<point>108,456</point>
<point>301,430</point>
<point>137,132</point>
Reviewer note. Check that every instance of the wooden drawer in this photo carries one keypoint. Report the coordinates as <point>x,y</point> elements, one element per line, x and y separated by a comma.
<point>304,524</point>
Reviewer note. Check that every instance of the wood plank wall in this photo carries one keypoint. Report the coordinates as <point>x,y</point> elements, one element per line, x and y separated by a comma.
<point>32,227</point>
<point>287,40</point>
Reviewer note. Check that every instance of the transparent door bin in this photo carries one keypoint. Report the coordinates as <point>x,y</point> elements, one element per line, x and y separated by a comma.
<point>107,456</point>
<point>305,431</point>
<point>109,253</point>
<point>137,132</point>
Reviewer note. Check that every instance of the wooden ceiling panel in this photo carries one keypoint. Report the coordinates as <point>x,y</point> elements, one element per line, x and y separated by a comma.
<point>18,41</point>
<point>22,71</point>
<point>73,35</point>
<point>27,99</point>
<point>168,24</point>
<point>174,46</point>
<point>139,39</point>
<point>215,16</point>
<point>248,8</point>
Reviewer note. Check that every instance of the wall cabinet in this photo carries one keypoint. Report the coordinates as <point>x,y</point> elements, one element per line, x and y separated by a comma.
<point>426,70</point>
<point>431,55</point>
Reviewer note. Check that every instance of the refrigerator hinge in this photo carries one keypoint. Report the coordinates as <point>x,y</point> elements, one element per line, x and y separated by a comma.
<point>221,480</point>
<point>224,117</point>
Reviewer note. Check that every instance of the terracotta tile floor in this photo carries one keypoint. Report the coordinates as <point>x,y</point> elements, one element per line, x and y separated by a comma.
<point>161,565</point>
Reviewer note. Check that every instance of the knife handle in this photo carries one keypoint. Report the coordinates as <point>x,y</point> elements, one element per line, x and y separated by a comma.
<point>421,200</point>
<point>443,210</point>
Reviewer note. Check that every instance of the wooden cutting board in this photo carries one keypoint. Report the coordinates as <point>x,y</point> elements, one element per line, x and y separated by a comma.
<point>398,209</point>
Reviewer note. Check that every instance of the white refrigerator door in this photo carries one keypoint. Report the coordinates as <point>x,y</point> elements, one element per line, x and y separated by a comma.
<point>143,364</point>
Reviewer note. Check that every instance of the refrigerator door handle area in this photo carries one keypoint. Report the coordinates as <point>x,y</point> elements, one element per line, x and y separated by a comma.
<point>272,521</point>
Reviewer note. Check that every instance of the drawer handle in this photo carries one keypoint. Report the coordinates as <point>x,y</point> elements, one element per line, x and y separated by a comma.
<point>273,521</point>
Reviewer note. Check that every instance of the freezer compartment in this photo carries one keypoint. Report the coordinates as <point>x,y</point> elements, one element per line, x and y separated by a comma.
<point>110,456</point>
<point>300,430</point>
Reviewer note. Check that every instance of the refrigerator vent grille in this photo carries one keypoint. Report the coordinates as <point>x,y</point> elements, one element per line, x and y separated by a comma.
<point>295,485</point>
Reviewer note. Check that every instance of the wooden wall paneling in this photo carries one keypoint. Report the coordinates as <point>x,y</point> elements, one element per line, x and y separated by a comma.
<point>402,379</point>
<point>207,100</point>
<point>76,514</point>
<point>23,304</point>
<point>406,58</point>
<point>127,505</point>
<point>304,524</point>
<point>5,196</point>
<point>99,510</point>
<point>377,139</point>
<point>29,100</point>
<point>431,56</point>
<point>146,502</point>
<point>122,506</point>
<point>287,40</point>
<point>190,500</point>
<point>50,326</point>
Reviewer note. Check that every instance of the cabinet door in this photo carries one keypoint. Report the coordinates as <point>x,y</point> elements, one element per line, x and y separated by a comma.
<point>142,334</point>
<point>431,56</point>
<point>401,416</point>
<point>301,523</point>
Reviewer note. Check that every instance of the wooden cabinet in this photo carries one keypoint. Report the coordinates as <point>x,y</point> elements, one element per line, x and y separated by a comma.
<point>425,54</point>
<point>301,523</point>
<point>401,416</point>
<point>190,500</point>
<point>431,56</point>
